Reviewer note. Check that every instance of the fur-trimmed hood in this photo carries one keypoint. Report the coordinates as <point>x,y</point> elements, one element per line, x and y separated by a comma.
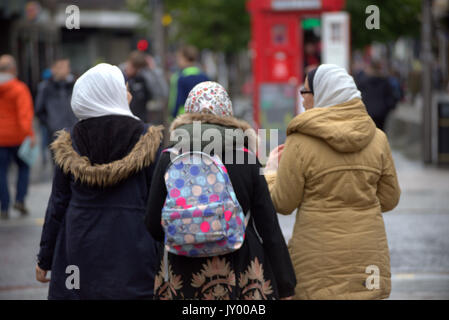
<point>102,175</point>
<point>222,121</point>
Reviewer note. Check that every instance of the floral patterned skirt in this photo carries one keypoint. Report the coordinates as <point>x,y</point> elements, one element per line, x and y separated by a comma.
<point>241,275</point>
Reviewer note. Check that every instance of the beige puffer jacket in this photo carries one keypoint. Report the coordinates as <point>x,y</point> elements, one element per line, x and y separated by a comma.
<point>337,169</point>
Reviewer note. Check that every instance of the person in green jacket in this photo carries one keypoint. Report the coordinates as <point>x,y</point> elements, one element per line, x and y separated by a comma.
<point>184,80</point>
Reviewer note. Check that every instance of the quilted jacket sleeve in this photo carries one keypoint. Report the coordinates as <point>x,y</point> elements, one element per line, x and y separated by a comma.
<point>388,190</point>
<point>287,184</point>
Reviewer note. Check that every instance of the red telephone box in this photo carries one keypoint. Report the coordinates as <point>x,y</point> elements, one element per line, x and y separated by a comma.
<point>277,47</point>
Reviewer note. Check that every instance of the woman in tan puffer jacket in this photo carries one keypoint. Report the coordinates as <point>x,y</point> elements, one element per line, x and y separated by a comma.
<point>337,169</point>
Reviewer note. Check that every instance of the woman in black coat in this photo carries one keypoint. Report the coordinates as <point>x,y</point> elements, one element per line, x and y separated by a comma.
<point>261,268</point>
<point>377,94</point>
<point>94,239</point>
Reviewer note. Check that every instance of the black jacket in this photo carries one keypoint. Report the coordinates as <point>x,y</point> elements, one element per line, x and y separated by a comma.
<point>255,271</point>
<point>95,215</point>
<point>377,95</point>
<point>142,94</point>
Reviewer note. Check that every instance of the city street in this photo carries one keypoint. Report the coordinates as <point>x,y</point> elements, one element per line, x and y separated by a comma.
<point>417,234</point>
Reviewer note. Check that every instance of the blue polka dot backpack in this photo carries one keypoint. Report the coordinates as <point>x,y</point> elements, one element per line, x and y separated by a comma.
<point>201,216</point>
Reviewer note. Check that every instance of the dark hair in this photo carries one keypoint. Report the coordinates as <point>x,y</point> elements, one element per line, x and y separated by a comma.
<point>137,59</point>
<point>310,77</point>
<point>190,53</point>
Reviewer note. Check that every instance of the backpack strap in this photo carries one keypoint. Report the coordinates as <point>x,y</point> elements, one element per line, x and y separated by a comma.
<point>171,150</point>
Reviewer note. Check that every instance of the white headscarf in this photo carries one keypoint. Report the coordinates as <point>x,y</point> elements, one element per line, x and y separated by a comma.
<point>100,91</point>
<point>333,85</point>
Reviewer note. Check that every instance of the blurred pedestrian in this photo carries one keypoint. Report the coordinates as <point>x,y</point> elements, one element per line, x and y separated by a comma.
<point>336,168</point>
<point>377,94</point>
<point>94,219</point>
<point>16,124</point>
<point>156,81</point>
<point>261,267</point>
<point>155,77</point>
<point>414,80</point>
<point>394,79</point>
<point>135,69</point>
<point>46,75</point>
<point>53,99</point>
<point>183,81</point>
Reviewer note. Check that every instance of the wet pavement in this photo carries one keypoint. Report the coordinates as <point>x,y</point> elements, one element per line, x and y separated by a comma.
<point>417,233</point>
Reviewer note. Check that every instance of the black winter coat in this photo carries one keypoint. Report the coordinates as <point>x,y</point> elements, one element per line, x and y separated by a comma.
<point>95,215</point>
<point>140,90</point>
<point>257,270</point>
<point>377,95</point>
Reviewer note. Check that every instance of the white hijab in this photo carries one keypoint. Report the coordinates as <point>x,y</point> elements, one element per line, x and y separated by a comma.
<point>100,91</point>
<point>332,85</point>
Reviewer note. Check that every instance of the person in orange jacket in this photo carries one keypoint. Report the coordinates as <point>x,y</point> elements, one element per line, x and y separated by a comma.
<point>16,123</point>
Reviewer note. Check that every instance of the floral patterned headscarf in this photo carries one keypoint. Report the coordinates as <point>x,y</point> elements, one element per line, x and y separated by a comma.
<point>209,97</point>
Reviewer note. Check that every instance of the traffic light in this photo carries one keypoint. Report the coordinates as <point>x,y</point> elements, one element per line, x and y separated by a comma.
<point>142,45</point>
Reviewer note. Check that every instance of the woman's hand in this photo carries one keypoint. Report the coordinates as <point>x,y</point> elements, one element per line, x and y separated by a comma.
<point>41,275</point>
<point>287,298</point>
<point>274,158</point>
